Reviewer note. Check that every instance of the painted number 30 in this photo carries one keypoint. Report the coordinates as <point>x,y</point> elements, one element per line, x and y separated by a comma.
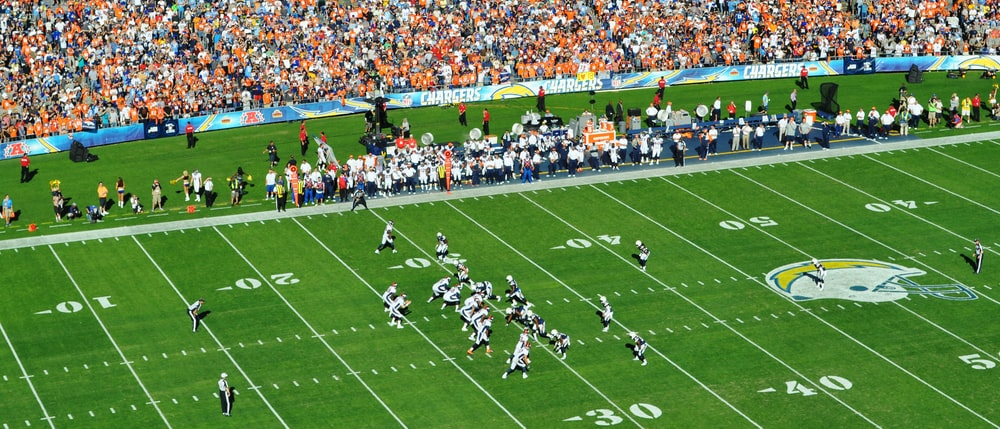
<point>605,417</point>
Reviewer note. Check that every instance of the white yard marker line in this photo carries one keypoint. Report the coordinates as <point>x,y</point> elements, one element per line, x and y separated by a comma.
<point>218,342</point>
<point>582,298</point>
<point>973,166</point>
<point>713,316</point>
<point>884,358</point>
<point>934,185</point>
<point>415,329</point>
<point>83,297</point>
<point>578,375</point>
<point>872,239</point>
<point>309,325</point>
<point>27,378</point>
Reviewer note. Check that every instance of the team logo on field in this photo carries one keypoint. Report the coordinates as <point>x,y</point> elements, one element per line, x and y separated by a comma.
<point>859,280</point>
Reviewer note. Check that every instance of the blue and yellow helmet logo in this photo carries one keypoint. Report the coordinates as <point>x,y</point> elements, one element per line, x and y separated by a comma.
<point>512,91</point>
<point>857,280</point>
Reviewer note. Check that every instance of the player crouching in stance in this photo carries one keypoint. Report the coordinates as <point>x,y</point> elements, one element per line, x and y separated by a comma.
<point>537,325</point>
<point>517,314</point>
<point>514,294</point>
<point>486,289</point>
<point>520,361</point>
<point>484,328</point>
<point>638,349</point>
<point>452,297</point>
<point>389,296</point>
<point>439,289</point>
<point>606,313</point>
<point>398,309</point>
<point>462,274</point>
<point>470,309</point>
<point>559,342</point>
<point>441,249</point>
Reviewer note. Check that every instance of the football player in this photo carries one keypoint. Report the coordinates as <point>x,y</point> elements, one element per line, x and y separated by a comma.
<point>452,297</point>
<point>522,341</point>
<point>537,326</point>
<point>486,289</point>
<point>559,342</point>
<point>639,348</point>
<point>515,293</point>
<point>462,273</point>
<point>606,313</point>
<point>439,289</point>
<point>484,328</point>
<point>516,314</point>
<point>467,310</point>
<point>389,296</point>
<point>520,361</point>
<point>820,273</point>
<point>442,247</point>
<point>643,254</point>
<point>979,255</point>
<point>388,240</point>
<point>397,310</point>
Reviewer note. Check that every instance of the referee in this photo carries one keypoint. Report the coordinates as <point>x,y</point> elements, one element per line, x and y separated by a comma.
<point>192,311</point>
<point>225,395</point>
<point>979,256</point>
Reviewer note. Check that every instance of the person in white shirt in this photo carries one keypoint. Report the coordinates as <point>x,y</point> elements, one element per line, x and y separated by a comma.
<point>225,395</point>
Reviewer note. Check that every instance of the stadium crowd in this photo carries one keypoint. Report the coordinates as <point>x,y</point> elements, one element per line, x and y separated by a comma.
<point>66,63</point>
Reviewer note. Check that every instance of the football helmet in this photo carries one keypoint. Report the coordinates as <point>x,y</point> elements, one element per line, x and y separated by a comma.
<point>638,243</point>
<point>555,333</point>
<point>510,278</point>
<point>859,280</point>
<point>439,235</point>
<point>604,299</point>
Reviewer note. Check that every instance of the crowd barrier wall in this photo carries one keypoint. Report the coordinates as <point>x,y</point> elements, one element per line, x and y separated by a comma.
<point>583,83</point>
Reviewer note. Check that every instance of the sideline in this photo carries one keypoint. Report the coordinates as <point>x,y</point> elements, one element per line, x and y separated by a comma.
<point>723,162</point>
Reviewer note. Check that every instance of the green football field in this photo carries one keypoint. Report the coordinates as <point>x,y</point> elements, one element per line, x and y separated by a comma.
<point>903,334</point>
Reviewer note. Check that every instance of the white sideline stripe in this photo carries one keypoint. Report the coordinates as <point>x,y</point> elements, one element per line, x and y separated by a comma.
<point>879,242</point>
<point>309,325</point>
<point>110,338</point>
<point>890,361</point>
<point>574,292</point>
<point>973,166</point>
<point>970,200</point>
<point>710,314</point>
<point>218,342</point>
<point>415,329</point>
<point>497,310</point>
<point>27,378</point>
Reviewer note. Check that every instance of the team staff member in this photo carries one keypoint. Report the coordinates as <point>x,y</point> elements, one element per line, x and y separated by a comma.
<point>192,311</point>
<point>979,256</point>
<point>25,167</point>
<point>102,197</point>
<point>189,131</point>
<point>486,122</point>
<point>461,115</point>
<point>280,194</point>
<point>388,240</point>
<point>225,395</point>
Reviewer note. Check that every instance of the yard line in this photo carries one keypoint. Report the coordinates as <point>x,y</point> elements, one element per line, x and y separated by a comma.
<point>121,353</point>
<point>976,167</point>
<point>988,208</point>
<point>218,342</point>
<point>551,352</point>
<point>315,333</point>
<point>584,299</point>
<point>870,238</point>
<point>27,378</point>
<point>417,330</point>
<point>891,362</point>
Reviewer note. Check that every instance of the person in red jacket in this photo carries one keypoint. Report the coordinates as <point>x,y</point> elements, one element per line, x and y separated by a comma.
<point>25,164</point>
<point>189,131</point>
<point>303,138</point>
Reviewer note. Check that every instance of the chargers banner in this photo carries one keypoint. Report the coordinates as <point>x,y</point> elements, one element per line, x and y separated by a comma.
<point>576,83</point>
